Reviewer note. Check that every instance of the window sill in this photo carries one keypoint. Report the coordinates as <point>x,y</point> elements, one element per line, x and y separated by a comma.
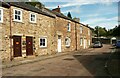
<point>1,22</point>
<point>67,46</point>
<point>32,22</point>
<point>43,46</point>
<point>68,31</point>
<point>18,21</point>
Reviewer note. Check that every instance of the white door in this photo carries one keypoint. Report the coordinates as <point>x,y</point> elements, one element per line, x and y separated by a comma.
<point>59,45</point>
<point>85,43</point>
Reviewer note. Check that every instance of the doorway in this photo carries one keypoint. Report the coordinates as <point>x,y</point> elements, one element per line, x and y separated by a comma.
<point>85,43</point>
<point>29,45</point>
<point>17,46</point>
<point>59,43</point>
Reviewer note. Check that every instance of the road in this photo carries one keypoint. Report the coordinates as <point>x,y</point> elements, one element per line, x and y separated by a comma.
<point>76,64</point>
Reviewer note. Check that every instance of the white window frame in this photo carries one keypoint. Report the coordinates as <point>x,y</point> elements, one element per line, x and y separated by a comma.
<point>1,21</point>
<point>45,42</point>
<point>69,41</point>
<point>81,41</point>
<point>81,29</point>
<point>68,27</point>
<point>31,17</point>
<point>20,15</point>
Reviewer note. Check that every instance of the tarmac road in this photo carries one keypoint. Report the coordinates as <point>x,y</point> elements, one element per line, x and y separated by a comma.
<point>76,64</point>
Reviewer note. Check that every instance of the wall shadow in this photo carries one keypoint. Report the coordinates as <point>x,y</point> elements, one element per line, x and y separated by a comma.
<point>94,63</point>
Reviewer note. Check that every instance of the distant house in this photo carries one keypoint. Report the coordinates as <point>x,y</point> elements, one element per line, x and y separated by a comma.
<point>26,31</point>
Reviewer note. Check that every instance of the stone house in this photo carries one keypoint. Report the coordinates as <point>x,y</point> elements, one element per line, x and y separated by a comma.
<point>26,31</point>
<point>83,36</point>
<point>73,34</point>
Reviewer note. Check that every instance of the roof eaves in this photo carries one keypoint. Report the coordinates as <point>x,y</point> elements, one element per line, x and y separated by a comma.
<point>87,26</point>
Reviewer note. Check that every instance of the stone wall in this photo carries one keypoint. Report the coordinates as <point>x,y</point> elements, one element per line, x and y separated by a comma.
<point>44,27</point>
<point>4,35</point>
<point>85,35</point>
<point>61,26</point>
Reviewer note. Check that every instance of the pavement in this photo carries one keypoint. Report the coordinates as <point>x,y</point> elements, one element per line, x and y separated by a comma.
<point>31,59</point>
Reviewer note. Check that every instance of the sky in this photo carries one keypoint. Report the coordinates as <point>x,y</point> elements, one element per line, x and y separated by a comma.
<point>103,13</point>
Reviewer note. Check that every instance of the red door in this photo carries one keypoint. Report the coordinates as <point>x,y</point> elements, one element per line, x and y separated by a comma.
<point>17,46</point>
<point>29,45</point>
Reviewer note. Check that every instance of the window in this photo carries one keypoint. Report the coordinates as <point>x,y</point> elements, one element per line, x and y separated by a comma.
<point>81,29</point>
<point>88,32</point>
<point>17,15</point>
<point>32,17</point>
<point>43,42</point>
<point>68,27</point>
<point>81,41</point>
<point>67,42</point>
<point>1,15</point>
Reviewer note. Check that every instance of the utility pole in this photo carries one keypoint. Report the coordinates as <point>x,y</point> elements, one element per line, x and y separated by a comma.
<point>97,33</point>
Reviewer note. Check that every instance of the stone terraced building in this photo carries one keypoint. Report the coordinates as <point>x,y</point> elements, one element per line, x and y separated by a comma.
<point>26,31</point>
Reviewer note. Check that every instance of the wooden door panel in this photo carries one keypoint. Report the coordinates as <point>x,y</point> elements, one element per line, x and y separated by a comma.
<point>17,46</point>
<point>29,45</point>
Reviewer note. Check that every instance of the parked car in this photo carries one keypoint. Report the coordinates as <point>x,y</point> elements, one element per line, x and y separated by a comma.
<point>97,44</point>
<point>118,44</point>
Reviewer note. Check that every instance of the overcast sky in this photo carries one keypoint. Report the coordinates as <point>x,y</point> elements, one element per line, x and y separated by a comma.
<point>102,13</point>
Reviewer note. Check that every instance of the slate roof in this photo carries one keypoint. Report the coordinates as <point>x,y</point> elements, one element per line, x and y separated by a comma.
<point>3,4</point>
<point>61,15</point>
<point>29,7</point>
<point>65,17</point>
<point>32,8</point>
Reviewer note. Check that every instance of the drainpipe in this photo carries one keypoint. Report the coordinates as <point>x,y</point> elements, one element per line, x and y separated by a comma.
<point>10,32</point>
<point>10,35</point>
<point>76,36</point>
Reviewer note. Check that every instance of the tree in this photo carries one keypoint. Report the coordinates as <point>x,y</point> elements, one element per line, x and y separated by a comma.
<point>109,32</point>
<point>100,31</point>
<point>69,15</point>
<point>33,2</point>
<point>116,31</point>
<point>96,30</point>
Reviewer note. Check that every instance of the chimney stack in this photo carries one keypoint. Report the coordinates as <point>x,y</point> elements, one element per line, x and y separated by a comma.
<point>57,9</point>
<point>77,19</point>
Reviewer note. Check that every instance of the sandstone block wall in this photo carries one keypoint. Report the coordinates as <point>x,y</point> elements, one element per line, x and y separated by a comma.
<point>4,35</point>
<point>85,35</point>
<point>61,26</point>
<point>45,26</point>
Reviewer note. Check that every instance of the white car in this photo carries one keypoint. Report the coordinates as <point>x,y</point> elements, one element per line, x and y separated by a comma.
<point>97,44</point>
